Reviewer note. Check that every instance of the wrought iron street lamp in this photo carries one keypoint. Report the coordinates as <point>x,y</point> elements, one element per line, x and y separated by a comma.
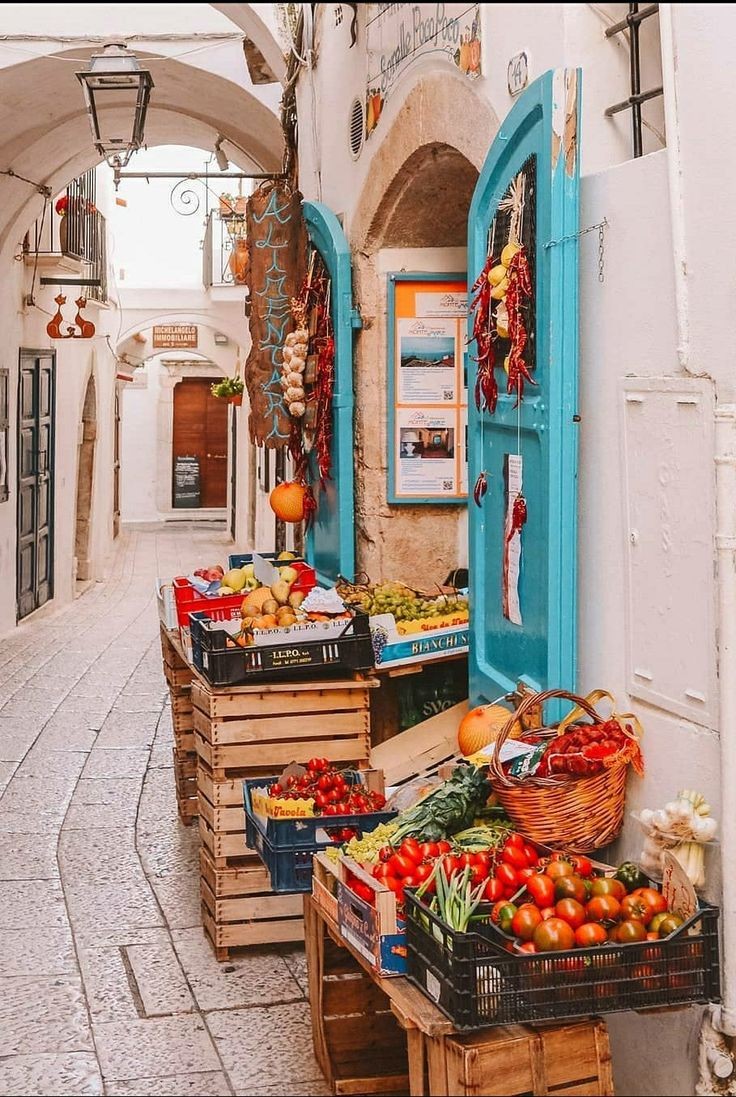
<point>116,91</point>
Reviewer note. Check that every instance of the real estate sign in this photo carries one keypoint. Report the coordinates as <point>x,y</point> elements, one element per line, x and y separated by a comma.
<point>174,336</point>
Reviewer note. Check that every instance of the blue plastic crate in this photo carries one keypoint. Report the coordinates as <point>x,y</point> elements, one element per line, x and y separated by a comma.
<point>286,846</point>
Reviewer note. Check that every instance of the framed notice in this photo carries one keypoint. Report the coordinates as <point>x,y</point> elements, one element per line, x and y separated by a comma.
<point>427,388</point>
<point>174,336</point>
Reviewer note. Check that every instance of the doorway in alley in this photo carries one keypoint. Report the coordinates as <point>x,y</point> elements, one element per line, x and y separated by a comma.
<point>35,516</point>
<point>200,434</point>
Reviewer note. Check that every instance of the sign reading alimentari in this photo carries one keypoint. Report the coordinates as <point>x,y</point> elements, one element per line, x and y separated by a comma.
<point>174,335</point>
<point>400,34</point>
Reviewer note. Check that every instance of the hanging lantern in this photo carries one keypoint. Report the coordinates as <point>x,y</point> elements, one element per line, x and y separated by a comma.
<point>116,91</point>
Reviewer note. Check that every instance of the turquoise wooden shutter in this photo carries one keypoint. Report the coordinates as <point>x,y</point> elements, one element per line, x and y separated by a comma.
<point>330,544</point>
<point>538,138</point>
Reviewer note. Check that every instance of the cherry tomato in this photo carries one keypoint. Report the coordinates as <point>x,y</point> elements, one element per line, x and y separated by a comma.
<point>571,887</point>
<point>467,859</point>
<point>556,869</point>
<point>320,800</point>
<point>315,765</point>
<point>515,840</point>
<point>671,923</point>
<point>493,890</point>
<point>385,853</point>
<point>478,873</point>
<point>450,865</point>
<point>274,790</point>
<point>531,854</point>
<point>429,850</point>
<point>290,781</point>
<point>340,808</point>
<point>423,872</point>
<point>604,908</point>
<point>332,796</point>
<point>410,848</point>
<point>554,935</point>
<point>525,874</point>
<point>507,875</point>
<point>484,858</point>
<point>525,921</point>
<point>444,846</point>
<point>571,911</point>
<point>653,898</point>
<point>401,865</point>
<point>541,888</point>
<point>583,866</point>
<point>514,856</point>
<point>325,783</point>
<point>528,946</point>
<point>590,934</point>
<point>630,930</point>
<point>607,885</point>
<point>635,908</point>
<point>547,913</point>
<point>503,914</point>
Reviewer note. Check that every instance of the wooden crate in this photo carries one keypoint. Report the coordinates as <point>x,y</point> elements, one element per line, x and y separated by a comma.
<point>225,850</point>
<point>250,877</point>
<point>247,920</point>
<point>170,649</point>
<point>572,1058</point>
<point>185,778</point>
<point>178,678</point>
<point>325,876</point>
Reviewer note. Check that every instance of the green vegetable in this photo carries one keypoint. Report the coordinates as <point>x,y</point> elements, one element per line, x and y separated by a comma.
<point>455,901</point>
<point>486,837</point>
<point>445,810</point>
<point>631,876</point>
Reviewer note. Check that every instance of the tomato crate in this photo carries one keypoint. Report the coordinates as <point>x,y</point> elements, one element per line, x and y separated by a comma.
<point>189,600</point>
<point>296,654</point>
<point>476,980</point>
<point>286,846</point>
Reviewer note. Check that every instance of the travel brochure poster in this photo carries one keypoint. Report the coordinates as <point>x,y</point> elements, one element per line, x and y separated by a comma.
<point>429,391</point>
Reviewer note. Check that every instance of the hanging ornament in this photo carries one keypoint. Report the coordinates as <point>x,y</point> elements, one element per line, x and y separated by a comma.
<point>518,293</point>
<point>486,389</point>
<point>481,487</point>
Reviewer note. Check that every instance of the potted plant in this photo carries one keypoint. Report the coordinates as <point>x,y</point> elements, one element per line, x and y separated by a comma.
<point>230,389</point>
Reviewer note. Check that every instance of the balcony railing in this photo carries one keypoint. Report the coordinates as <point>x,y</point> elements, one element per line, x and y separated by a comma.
<point>77,232</point>
<point>224,250</point>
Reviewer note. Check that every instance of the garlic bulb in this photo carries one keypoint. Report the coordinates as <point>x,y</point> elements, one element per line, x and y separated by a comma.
<point>293,393</point>
<point>298,364</point>
<point>293,379</point>
<point>300,349</point>
<point>287,353</point>
<point>301,335</point>
<point>297,409</point>
<point>290,339</point>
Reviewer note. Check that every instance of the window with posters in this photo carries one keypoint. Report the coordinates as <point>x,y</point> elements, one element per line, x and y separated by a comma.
<point>428,400</point>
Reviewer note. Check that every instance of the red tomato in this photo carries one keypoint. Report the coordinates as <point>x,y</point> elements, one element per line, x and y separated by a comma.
<point>397,886</point>
<point>382,871</point>
<point>604,908</point>
<point>503,914</point>
<point>589,934</point>
<point>290,781</point>
<point>606,885</point>
<point>531,854</point>
<point>556,869</point>
<point>583,866</point>
<point>525,874</point>
<point>325,783</point>
<point>507,875</point>
<point>525,921</point>
<point>654,899</point>
<point>333,796</point>
<point>571,887</point>
<point>363,891</point>
<point>423,872</point>
<point>450,865</point>
<point>444,846</point>
<point>635,908</point>
<point>571,911</point>
<point>547,913</point>
<point>515,840</point>
<point>274,790</point>
<point>512,855</point>
<point>401,865</point>
<point>554,935</point>
<point>385,853</point>
<point>541,888</point>
<point>410,848</point>
<point>467,859</point>
<point>412,880</point>
<point>478,873</point>
<point>493,890</point>
<point>429,850</point>
<point>628,931</point>
<point>528,946</point>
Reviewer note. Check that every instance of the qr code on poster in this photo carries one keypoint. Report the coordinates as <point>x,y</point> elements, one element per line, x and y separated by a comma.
<point>447,485</point>
<point>447,394</point>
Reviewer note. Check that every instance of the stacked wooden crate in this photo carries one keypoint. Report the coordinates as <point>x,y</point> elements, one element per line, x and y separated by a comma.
<point>254,731</point>
<point>179,676</point>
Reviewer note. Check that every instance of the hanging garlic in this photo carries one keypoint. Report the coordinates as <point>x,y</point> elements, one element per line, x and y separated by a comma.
<point>301,335</point>
<point>298,364</point>
<point>293,393</point>
<point>297,409</point>
<point>287,354</point>
<point>293,379</point>
<point>290,339</point>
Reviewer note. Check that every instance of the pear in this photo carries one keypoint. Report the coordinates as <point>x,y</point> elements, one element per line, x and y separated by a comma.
<point>296,598</point>
<point>235,579</point>
<point>289,575</point>
<point>226,590</point>
<point>286,556</point>
<point>250,608</point>
<point>271,606</point>
<point>280,591</point>
<point>248,571</point>
<point>286,619</point>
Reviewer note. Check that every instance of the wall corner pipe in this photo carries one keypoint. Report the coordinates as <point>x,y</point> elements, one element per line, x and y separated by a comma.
<point>676,187</point>
<point>724,1017</point>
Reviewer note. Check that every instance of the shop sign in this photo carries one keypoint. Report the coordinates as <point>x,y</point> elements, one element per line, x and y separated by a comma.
<point>400,34</point>
<point>174,336</point>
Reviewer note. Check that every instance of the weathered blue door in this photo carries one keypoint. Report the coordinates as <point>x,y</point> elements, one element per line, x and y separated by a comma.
<point>331,541</point>
<point>527,194</point>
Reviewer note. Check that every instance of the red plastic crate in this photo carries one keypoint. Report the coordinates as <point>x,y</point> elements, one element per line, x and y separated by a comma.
<point>188,600</point>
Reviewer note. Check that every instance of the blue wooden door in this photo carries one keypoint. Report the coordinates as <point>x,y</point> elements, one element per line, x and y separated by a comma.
<point>331,541</point>
<point>528,189</point>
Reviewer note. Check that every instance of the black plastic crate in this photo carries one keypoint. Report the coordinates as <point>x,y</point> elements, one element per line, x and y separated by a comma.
<point>286,846</point>
<point>477,981</point>
<point>230,666</point>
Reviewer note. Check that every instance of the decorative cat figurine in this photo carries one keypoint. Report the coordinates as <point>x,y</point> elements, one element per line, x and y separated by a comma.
<point>86,327</point>
<point>53,328</point>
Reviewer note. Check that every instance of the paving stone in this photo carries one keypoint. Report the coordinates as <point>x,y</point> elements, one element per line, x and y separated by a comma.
<point>99,855</point>
<point>71,1075</point>
<point>16,740</point>
<point>115,936</point>
<point>106,986</point>
<point>43,1016</point>
<point>40,762</point>
<point>145,703</point>
<point>168,851</point>
<point>126,729</point>
<point>155,1047</point>
<point>258,978</point>
<point>179,899</point>
<point>295,959</point>
<point>49,795</point>
<point>111,905</point>
<point>28,952</point>
<point>31,903</point>
<point>173,1085</point>
<point>161,757</point>
<point>28,857</point>
<point>160,980</point>
<point>266,1047</point>
<point>40,822</point>
<point>117,764</point>
<point>250,1088</point>
<point>7,769</point>
<point>59,734</point>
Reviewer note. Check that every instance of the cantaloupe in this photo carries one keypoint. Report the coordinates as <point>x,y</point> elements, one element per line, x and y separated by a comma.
<point>253,605</point>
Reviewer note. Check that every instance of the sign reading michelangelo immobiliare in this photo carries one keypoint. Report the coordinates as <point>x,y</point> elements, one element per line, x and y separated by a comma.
<point>173,336</point>
<point>399,34</point>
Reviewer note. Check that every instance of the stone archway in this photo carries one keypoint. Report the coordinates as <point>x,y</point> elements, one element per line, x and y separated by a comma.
<point>85,483</point>
<point>416,199</point>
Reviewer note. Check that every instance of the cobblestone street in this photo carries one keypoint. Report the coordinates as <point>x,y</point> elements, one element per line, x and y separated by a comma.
<point>108,984</point>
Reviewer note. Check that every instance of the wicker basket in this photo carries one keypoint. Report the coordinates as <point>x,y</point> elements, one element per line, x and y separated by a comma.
<point>579,814</point>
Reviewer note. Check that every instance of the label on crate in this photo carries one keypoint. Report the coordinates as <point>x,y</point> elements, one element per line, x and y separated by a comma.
<point>433,985</point>
<point>677,888</point>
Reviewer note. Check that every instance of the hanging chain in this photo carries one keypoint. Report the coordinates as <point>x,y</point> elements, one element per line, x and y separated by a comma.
<point>601,226</point>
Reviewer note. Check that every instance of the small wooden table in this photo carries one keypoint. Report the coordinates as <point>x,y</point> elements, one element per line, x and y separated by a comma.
<point>376,1035</point>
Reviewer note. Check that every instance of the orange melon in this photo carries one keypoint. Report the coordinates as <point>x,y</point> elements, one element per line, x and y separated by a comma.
<point>480,726</point>
<point>287,501</point>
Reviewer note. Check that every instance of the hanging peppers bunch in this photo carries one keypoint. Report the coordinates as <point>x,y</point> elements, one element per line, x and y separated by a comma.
<point>486,388</point>
<point>518,292</point>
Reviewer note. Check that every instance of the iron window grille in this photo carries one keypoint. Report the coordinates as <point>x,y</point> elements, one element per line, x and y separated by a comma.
<point>632,23</point>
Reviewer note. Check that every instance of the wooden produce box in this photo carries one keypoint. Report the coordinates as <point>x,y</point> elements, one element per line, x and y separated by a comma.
<point>325,878</point>
<point>185,777</point>
<point>374,930</point>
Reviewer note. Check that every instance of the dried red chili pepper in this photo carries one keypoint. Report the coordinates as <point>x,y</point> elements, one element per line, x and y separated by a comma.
<point>480,489</point>
<point>518,516</point>
<point>518,293</point>
<point>486,387</point>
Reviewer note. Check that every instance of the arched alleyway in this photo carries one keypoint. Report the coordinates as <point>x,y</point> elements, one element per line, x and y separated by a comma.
<point>107,984</point>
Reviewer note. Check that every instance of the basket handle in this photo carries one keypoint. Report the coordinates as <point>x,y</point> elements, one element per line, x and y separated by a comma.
<point>531,700</point>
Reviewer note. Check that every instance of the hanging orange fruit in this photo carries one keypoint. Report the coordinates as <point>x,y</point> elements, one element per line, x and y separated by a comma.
<point>480,726</point>
<point>287,501</point>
